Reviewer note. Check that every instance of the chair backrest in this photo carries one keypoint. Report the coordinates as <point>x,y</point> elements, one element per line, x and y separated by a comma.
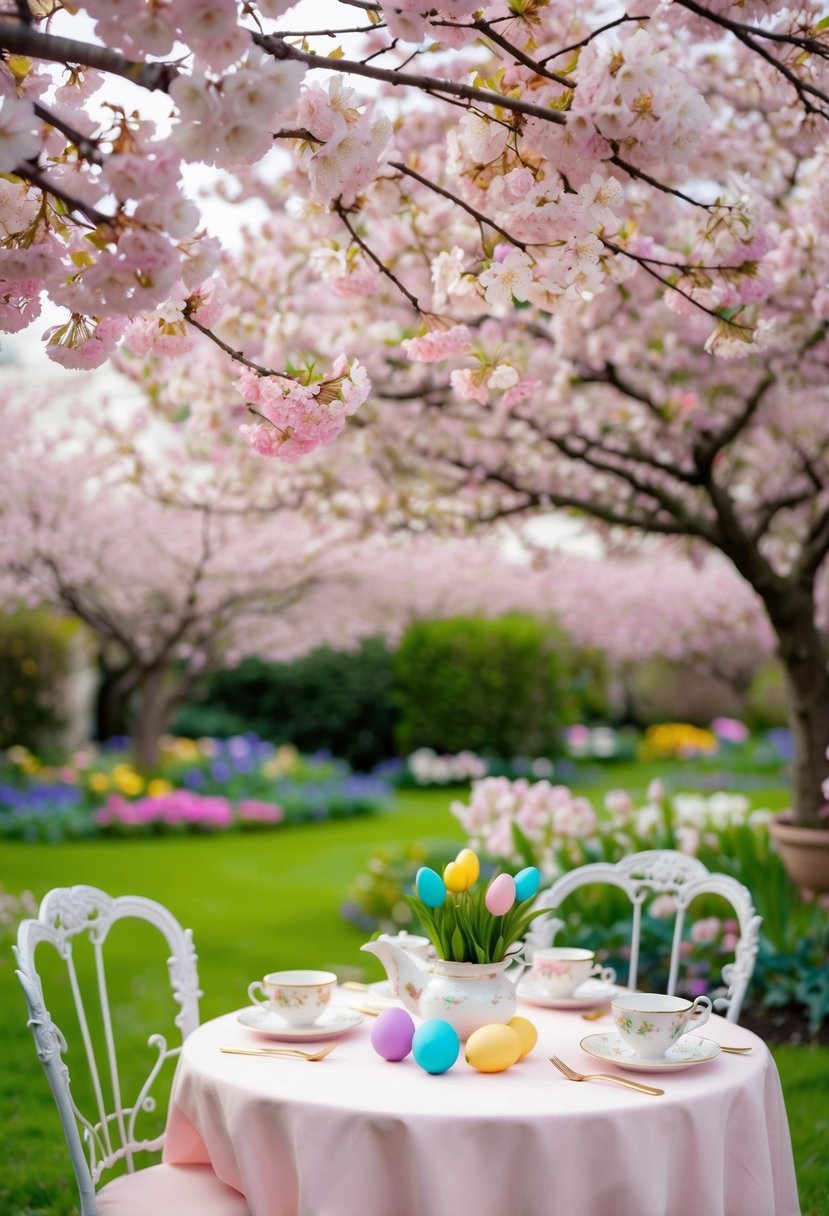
<point>662,872</point>
<point>109,1135</point>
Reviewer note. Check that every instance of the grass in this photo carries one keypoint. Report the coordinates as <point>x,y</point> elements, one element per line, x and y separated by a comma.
<point>256,903</point>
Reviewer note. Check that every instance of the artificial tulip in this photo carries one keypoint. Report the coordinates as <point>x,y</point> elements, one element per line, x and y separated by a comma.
<point>456,877</point>
<point>430,887</point>
<point>501,894</point>
<point>527,882</point>
<point>469,860</point>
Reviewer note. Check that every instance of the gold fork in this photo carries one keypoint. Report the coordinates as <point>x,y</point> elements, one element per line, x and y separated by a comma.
<point>736,1051</point>
<point>572,1075</point>
<point>281,1051</point>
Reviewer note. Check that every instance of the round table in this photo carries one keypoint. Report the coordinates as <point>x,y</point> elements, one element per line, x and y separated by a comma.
<point>354,1135</point>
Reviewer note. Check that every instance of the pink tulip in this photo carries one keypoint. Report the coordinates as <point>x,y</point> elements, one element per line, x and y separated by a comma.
<point>501,894</point>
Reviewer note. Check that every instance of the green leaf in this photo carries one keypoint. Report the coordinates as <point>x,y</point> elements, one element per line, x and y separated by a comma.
<point>523,845</point>
<point>458,945</point>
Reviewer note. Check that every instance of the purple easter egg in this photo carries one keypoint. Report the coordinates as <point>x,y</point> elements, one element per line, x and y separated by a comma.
<point>392,1034</point>
<point>501,895</point>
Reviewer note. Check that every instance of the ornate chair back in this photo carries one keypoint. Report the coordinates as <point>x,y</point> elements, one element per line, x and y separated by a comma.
<point>106,1135</point>
<point>662,872</point>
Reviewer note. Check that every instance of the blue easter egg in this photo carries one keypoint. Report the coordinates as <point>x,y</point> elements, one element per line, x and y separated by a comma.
<point>436,1046</point>
<point>430,887</point>
<point>527,883</point>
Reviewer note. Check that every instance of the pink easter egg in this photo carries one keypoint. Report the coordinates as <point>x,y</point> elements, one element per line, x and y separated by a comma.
<point>501,895</point>
<point>392,1034</point>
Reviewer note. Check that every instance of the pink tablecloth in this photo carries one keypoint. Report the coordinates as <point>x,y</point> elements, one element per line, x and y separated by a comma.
<point>355,1136</point>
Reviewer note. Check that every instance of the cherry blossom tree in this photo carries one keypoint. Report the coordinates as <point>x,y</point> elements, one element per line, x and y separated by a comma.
<point>172,590</point>
<point>543,256</point>
<point>547,140</point>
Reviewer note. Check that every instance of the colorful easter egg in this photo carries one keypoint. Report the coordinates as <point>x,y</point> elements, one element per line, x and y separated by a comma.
<point>501,894</point>
<point>430,887</point>
<point>436,1046</point>
<point>456,877</point>
<point>469,860</point>
<point>527,882</point>
<point>392,1034</point>
<point>493,1048</point>
<point>526,1032</point>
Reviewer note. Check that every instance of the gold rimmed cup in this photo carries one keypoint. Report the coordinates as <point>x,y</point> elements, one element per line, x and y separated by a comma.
<point>299,997</point>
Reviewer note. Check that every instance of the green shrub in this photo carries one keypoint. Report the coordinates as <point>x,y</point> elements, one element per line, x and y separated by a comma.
<point>338,701</point>
<point>35,660</point>
<point>766,704</point>
<point>496,687</point>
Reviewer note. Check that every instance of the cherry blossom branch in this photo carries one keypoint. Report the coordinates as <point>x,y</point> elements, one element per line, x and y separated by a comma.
<point>32,175</point>
<point>712,312</point>
<point>705,450</point>
<point>581,450</point>
<point>642,176</point>
<point>428,84</point>
<point>576,46</point>
<point>453,198</point>
<point>88,148</point>
<point>519,56</point>
<point>378,262</point>
<point>801,87</point>
<point>21,39</point>
<point>545,499</point>
<point>236,355</point>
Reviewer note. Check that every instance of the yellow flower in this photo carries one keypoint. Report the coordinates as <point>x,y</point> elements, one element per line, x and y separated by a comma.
<point>185,749</point>
<point>159,786</point>
<point>98,782</point>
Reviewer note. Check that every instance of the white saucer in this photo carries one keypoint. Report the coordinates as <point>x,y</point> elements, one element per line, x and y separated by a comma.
<point>591,992</point>
<point>686,1051</point>
<point>382,989</point>
<point>329,1025</point>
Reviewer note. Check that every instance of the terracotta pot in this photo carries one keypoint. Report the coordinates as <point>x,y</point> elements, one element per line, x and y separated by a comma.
<point>804,852</point>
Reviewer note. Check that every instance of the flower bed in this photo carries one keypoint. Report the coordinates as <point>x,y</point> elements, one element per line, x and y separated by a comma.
<point>201,786</point>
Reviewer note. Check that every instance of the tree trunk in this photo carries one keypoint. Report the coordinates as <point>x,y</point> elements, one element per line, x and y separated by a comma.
<point>150,719</point>
<point>804,658</point>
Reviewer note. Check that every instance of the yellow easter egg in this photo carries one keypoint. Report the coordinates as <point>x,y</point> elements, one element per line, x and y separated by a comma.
<point>526,1032</point>
<point>469,860</point>
<point>455,877</point>
<point>493,1048</point>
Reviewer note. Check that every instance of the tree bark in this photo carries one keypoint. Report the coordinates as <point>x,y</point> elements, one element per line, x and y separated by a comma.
<point>806,671</point>
<point>151,717</point>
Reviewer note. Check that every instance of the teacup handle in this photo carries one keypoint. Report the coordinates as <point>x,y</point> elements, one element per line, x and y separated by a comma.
<point>252,989</point>
<point>606,974</point>
<point>700,1011</point>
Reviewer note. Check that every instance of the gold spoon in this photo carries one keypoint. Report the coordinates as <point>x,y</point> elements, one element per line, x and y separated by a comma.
<point>281,1051</point>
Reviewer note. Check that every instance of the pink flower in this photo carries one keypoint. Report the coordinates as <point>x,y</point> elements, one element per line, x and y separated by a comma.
<point>438,344</point>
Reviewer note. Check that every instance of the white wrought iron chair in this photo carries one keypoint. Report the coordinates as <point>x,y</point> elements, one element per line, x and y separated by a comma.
<point>662,872</point>
<point>97,1144</point>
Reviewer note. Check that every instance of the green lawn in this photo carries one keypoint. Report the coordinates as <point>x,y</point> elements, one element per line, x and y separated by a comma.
<point>256,903</point>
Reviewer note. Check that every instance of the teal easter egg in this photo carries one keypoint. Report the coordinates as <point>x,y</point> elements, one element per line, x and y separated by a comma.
<point>436,1046</point>
<point>527,883</point>
<point>430,887</point>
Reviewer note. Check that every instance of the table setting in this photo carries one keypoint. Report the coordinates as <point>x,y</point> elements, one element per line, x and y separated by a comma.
<point>458,1084</point>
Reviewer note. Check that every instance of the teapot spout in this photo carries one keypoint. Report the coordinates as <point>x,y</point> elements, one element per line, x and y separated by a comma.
<point>406,976</point>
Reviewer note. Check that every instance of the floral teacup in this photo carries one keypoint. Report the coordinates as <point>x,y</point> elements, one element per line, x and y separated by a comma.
<point>299,997</point>
<point>560,970</point>
<point>650,1023</point>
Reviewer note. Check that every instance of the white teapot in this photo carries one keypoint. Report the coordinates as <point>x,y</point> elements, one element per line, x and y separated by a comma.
<point>467,995</point>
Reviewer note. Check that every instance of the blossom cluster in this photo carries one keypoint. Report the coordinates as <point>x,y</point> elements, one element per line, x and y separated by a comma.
<point>502,818</point>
